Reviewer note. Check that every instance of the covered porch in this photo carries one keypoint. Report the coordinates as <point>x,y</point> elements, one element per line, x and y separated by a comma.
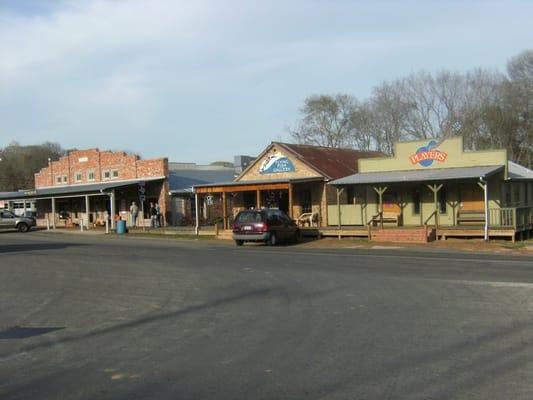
<point>451,202</point>
<point>299,198</point>
<point>92,205</point>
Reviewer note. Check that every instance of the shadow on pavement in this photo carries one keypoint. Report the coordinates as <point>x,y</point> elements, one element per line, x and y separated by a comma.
<point>20,332</point>
<point>276,291</point>
<point>17,248</point>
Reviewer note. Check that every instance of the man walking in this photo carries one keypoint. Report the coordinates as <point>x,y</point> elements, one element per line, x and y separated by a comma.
<point>134,211</point>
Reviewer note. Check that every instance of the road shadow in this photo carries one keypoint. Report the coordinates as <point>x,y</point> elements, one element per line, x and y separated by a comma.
<point>21,332</point>
<point>25,247</point>
<point>276,291</point>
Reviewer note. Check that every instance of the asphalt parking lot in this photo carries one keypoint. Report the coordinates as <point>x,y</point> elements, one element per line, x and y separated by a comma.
<point>134,318</point>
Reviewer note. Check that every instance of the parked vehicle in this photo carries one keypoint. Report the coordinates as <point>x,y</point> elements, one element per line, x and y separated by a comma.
<point>267,225</point>
<point>8,220</point>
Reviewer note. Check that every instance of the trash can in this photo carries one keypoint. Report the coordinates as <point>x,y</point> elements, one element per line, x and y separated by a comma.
<point>121,227</point>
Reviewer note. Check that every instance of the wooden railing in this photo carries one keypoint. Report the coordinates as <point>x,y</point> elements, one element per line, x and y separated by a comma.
<point>375,218</point>
<point>511,217</point>
<point>432,215</point>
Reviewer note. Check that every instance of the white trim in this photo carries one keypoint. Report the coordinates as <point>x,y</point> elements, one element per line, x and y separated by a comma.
<point>99,183</point>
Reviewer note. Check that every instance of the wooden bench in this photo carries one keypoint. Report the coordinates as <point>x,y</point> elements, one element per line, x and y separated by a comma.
<point>391,217</point>
<point>471,216</point>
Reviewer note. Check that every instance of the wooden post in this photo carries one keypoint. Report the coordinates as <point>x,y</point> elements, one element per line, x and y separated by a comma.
<point>53,213</point>
<point>258,199</point>
<point>435,189</point>
<point>290,200</point>
<point>87,211</point>
<point>380,190</point>
<point>339,192</point>
<point>224,211</point>
<point>485,186</point>
<point>112,208</point>
<point>197,214</point>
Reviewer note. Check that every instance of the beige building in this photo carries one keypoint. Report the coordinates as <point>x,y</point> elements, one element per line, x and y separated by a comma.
<point>437,184</point>
<point>287,176</point>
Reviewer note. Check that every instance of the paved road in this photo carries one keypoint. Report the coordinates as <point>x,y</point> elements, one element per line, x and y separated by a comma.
<point>90,318</point>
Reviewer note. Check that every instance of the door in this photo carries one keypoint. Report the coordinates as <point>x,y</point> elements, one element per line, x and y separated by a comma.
<point>472,198</point>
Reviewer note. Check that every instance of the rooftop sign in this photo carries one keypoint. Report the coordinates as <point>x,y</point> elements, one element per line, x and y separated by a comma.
<point>426,155</point>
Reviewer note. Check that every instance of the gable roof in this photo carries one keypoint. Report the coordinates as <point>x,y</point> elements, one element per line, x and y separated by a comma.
<point>332,163</point>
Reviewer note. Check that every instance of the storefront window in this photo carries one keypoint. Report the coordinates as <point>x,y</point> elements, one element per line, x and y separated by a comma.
<point>416,202</point>
<point>442,200</point>
<point>305,201</point>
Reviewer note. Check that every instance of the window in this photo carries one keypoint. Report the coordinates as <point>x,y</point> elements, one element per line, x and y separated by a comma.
<point>65,179</point>
<point>115,173</point>
<point>78,176</point>
<point>442,200</point>
<point>305,201</point>
<point>58,180</point>
<point>107,174</point>
<point>416,202</point>
<point>90,175</point>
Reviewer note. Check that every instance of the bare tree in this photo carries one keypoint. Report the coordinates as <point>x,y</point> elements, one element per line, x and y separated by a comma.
<point>326,121</point>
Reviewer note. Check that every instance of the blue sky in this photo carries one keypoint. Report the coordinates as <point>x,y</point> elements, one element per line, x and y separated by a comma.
<point>204,80</point>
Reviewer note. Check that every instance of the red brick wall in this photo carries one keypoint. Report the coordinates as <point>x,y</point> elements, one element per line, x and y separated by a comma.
<point>83,161</point>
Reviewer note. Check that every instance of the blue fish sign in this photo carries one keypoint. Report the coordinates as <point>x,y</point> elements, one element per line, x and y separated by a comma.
<point>276,163</point>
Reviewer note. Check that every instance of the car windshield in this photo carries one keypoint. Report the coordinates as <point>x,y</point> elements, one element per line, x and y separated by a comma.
<point>249,216</point>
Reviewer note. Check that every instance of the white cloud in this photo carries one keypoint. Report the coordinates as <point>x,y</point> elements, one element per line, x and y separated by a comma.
<point>97,73</point>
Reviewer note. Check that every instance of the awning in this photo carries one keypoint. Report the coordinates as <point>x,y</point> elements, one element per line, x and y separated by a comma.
<point>67,190</point>
<point>426,175</point>
<point>256,184</point>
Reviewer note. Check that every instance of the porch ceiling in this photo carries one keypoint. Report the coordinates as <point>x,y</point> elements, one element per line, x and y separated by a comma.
<point>426,175</point>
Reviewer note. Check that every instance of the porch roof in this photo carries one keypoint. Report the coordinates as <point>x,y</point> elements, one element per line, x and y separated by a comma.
<point>72,189</point>
<point>252,184</point>
<point>426,175</point>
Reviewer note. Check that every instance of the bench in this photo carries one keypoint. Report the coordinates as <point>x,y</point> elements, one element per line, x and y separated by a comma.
<point>471,216</point>
<point>391,217</point>
<point>308,218</point>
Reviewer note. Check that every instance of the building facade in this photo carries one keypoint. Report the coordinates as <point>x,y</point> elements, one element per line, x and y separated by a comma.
<point>460,193</point>
<point>291,177</point>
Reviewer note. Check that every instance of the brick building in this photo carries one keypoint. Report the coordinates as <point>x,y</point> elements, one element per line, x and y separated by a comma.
<point>85,185</point>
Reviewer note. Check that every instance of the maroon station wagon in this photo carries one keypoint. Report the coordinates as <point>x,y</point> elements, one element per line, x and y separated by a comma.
<point>267,225</point>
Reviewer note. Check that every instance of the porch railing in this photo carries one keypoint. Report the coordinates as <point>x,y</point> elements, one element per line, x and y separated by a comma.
<point>518,218</point>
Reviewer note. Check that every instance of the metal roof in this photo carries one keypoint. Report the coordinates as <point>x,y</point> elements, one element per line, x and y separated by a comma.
<point>519,172</point>
<point>260,181</point>
<point>72,189</point>
<point>426,175</point>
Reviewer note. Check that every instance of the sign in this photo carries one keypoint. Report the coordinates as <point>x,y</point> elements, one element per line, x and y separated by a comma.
<point>426,155</point>
<point>276,163</point>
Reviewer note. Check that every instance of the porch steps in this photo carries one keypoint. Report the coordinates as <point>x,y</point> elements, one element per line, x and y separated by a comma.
<point>403,235</point>
<point>225,234</point>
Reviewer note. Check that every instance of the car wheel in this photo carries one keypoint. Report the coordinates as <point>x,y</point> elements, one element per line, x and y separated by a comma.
<point>272,240</point>
<point>296,237</point>
<point>239,242</point>
<point>22,227</point>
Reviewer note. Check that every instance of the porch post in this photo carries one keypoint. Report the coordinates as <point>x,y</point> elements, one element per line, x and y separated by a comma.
<point>380,190</point>
<point>435,189</point>
<point>112,208</point>
<point>485,186</point>
<point>53,213</point>
<point>339,192</point>
<point>197,214</point>
<point>224,211</point>
<point>258,199</point>
<point>87,210</point>
<point>290,200</point>
<point>24,205</point>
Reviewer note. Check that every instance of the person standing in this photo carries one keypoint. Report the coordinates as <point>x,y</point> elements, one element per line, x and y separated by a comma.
<point>158,213</point>
<point>153,216</point>
<point>134,211</point>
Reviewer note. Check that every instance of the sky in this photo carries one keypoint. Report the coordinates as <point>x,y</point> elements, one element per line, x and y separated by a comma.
<point>200,81</point>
